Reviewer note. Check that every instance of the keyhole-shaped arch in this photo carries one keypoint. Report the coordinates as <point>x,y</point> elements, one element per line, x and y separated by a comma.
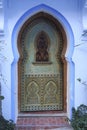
<point>66,54</point>
<point>26,66</point>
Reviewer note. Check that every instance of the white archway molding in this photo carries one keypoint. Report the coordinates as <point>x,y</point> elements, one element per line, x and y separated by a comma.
<point>68,56</point>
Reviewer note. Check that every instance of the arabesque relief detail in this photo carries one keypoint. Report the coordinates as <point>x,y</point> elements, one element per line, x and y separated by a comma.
<point>41,67</point>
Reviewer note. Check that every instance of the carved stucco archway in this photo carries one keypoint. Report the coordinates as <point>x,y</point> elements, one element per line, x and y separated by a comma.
<point>66,54</point>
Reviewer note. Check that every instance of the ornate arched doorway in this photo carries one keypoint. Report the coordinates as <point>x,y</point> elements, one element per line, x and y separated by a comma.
<point>42,68</point>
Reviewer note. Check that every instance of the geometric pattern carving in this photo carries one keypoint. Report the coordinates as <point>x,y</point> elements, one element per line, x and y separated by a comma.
<point>51,94</point>
<point>47,95</point>
<point>32,93</point>
<point>41,85</point>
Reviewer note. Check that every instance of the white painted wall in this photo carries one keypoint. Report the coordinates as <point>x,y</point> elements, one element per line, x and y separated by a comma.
<point>73,12</point>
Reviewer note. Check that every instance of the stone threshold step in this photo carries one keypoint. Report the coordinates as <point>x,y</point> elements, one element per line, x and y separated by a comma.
<point>63,128</point>
<point>44,128</point>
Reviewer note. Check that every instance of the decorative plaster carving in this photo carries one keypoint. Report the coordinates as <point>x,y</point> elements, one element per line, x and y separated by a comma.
<point>46,79</point>
<point>47,95</point>
<point>32,90</point>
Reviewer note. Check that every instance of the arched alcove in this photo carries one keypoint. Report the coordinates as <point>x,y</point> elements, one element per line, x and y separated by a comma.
<point>34,63</point>
<point>63,28</point>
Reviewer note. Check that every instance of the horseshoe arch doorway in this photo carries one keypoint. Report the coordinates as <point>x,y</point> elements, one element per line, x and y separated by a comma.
<point>42,68</point>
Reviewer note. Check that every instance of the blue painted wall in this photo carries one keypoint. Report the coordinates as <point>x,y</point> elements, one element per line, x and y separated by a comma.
<point>70,14</point>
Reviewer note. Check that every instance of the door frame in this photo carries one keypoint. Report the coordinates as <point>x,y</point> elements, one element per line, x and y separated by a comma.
<point>59,31</point>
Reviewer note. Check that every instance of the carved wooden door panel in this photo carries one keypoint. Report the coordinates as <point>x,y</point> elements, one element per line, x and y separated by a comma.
<point>41,67</point>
